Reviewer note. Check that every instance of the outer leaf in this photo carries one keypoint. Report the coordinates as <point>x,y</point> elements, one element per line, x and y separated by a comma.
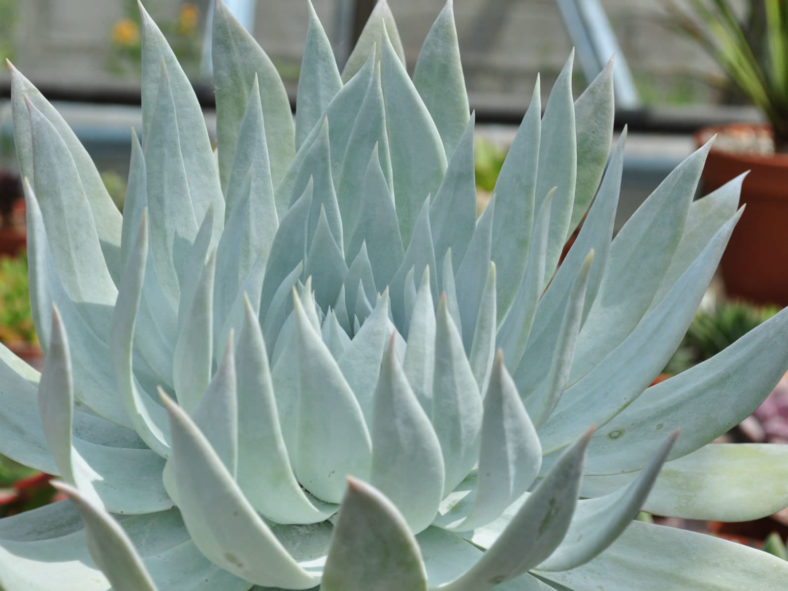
<point>149,420</point>
<point>683,401</point>
<point>515,192</point>
<point>439,79</point>
<point>407,464</point>
<point>237,58</point>
<point>417,156</point>
<point>639,256</point>
<point>369,525</point>
<point>594,113</point>
<point>318,79</point>
<point>453,210</point>
<point>598,522</point>
<point>220,521</point>
<point>419,362</point>
<point>558,161</point>
<point>109,545</point>
<point>677,559</point>
<point>379,27</point>
<point>535,530</point>
<point>106,217</point>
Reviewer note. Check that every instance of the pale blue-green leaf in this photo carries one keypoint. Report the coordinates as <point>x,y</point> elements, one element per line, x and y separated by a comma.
<point>188,124</point>
<point>174,221</point>
<point>705,217</point>
<point>192,269</point>
<point>334,336</point>
<point>483,345</point>
<point>264,471</point>
<point>626,372</point>
<point>542,396</point>
<point>251,212</point>
<point>109,545</point>
<point>717,482</point>
<point>639,256</point>
<point>64,205</point>
<point>377,225</point>
<point>379,27</point>
<point>325,263</point>
<point>595,234</point>
<point>288,249</point>
<point>36,562</point>
<point>56,399</point>
<point>439,79</point>
<point>677,559</point>
<point>456,403</point>
<point>515,330</point>
<point>332,440</point>
<point>342,313</point>
<point>419,362</point>
<point>280,307</point>
<point>418,257</point>
<point>96,381</point>
<point>149,419</point>
<point>315,167</point>
<point>362,311</point>
<point>237,59</point>
<point>409,293</point>
<point>19,366</point>
<point>453,209</point>
<point>448,288</point>
<point>407,463</point>
<point>515,191</point>
<point>309,302</point>
<point>318,79</point>
<point>368,138</point>
<point>418,160</point>
<point>193,356</point>
<point>510,455</point>
<point>733,382</point>
<point>558,161</point>
<point>216,415</point>
<point>446,556</point>
<point>221,522</point>
<point>599,521</point>
<point>536,529</point>
<point>472,273</point>
<point>135,201</point>
<point>106,217</point>
<point>594,113</point>
<point>369,525</point>
<point>359,273</point>
<point>360,361</point>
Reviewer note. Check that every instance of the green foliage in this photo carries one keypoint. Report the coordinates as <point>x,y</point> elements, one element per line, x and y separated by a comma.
<point>16,318</point>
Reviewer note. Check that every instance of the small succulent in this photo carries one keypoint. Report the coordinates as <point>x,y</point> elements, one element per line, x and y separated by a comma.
<point>302,360</point>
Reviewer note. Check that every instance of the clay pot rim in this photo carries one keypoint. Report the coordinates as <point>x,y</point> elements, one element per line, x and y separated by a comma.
<point>704,134</point>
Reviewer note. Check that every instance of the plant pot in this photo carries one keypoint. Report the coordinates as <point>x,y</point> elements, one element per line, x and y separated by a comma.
<point>755,264</point>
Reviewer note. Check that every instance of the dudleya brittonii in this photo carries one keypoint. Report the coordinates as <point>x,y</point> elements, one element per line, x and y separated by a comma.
<point>304,362</point>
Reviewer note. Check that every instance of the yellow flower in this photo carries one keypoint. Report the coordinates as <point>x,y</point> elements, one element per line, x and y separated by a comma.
<point>126,33</point>
<point>188,18</point>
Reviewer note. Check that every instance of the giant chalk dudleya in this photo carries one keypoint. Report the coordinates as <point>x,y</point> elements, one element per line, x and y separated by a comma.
<point>302,361</point>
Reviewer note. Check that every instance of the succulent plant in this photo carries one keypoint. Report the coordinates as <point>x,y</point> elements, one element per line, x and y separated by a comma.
<point>302,361</point>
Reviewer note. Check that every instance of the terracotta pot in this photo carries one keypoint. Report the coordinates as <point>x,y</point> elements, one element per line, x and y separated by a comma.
<point>755,264</point>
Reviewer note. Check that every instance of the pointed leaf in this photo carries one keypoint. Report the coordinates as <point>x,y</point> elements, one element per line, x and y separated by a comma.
<point>318,79</point>
<point>439,79</point>
<point>419,362</point>
<point>237,58</point>
<point>109,545</point>
<point>379,27</point>
<point>369,525</point>
<point>407,463</point>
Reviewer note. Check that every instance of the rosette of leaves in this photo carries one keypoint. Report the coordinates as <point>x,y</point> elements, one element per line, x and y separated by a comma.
<point>302,361</point>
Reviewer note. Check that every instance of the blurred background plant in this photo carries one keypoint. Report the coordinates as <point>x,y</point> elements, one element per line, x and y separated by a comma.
<point>16,319</point>
<point>749,41</point>
<point>8,16</point>
<point>183,32</point>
